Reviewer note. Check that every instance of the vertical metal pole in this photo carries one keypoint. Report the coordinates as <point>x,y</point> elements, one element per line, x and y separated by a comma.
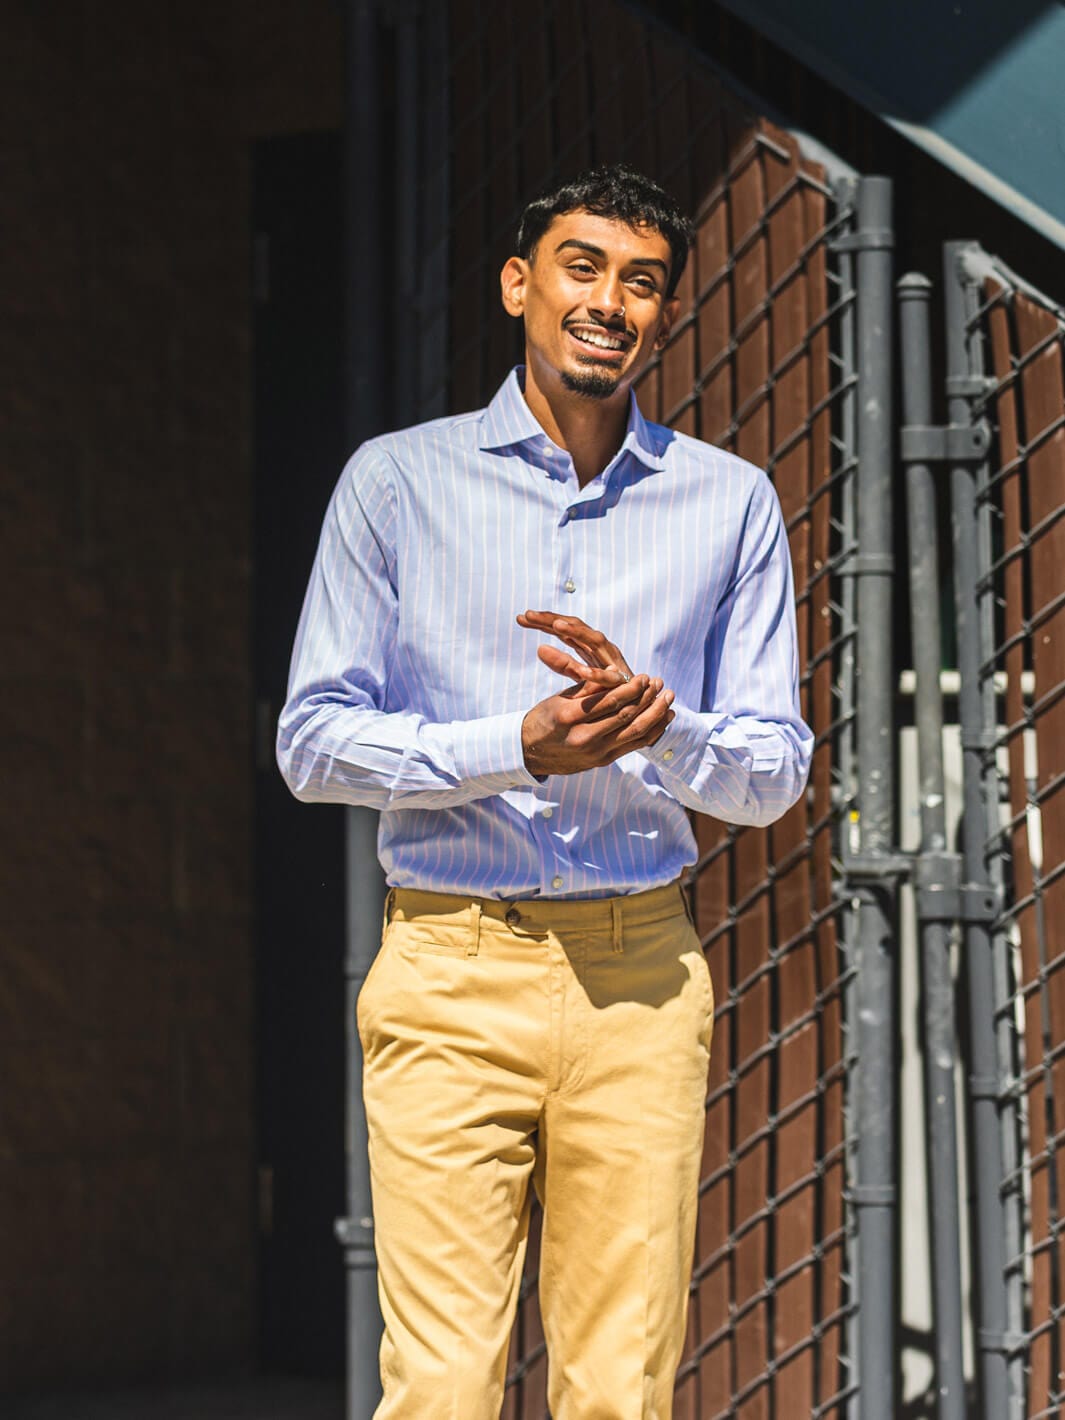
<point>875,1192</point>
<point>937,871</point>
<point>977,738</point>
<point>846,195</point>
<point>366,393</point>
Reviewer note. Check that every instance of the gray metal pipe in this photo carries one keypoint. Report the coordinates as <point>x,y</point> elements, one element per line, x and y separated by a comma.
<point>977,735</point>
<point>875,1190</point>
<point>937,872</point>
<point>366,392</point>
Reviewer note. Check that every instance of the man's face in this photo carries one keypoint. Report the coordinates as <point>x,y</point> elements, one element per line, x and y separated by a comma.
<point>594,303</point>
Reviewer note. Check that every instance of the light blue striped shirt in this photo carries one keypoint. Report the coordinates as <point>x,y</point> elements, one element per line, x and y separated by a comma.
<point>410,677</point>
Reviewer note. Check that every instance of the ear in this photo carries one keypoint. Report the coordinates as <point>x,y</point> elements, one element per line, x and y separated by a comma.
<point>512,281</point>
<point>670,311</point>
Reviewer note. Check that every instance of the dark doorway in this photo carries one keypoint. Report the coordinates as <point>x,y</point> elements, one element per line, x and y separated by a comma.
<point>298,423</point>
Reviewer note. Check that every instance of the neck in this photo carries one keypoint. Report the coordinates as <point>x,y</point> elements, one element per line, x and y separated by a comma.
<point>590,430</point>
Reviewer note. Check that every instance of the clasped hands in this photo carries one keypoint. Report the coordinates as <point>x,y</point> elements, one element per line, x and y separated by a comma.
<point>609,711</point>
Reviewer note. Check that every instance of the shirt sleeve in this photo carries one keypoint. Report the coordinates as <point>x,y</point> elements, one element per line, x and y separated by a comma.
<point>336,742</point>
<point>744,755</point>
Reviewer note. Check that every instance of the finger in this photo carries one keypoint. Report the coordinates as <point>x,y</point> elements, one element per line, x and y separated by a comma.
<point>624,703</point>
<point>544,621</point>
<point>585,639</point>
<point>644,742</point>
<point>579,671</point>
<point>648,722</point>
<point>599,648</point>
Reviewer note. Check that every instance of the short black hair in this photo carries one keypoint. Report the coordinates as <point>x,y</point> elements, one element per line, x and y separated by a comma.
<point>618,192</point>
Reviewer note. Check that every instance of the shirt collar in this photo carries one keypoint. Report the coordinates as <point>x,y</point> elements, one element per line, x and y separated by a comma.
<point>509,420</point>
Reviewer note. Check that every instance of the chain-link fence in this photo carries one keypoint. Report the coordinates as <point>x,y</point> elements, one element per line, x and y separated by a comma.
<point>783,354</point>
<point>763,361</point>
<point>764,366</point>
<point>1013,339</point>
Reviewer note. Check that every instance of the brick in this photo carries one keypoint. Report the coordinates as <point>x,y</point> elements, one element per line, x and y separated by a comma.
<point>213,855</point>
<point>44,1217</point>
<point>212,615</point>
<point>212,1218</point>
<point>40,500</point>
<point>42,734</point>
<point>127,843</point>
<point>175,732</point>
<point>43,865</point>
<point>42,367</point>
<point>76,1095</point>
<point>215,1318</point>
<point>44,613</point>
<point>130,1203</point>
<point>291,75</point>
<point>128,973</point>
<point>41,985</point>
<point>214,1050</point>
<point>128,628</point>
<point>78,1327</point>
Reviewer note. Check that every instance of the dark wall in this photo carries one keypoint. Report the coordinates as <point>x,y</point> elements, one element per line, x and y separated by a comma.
<point>127,1184</point>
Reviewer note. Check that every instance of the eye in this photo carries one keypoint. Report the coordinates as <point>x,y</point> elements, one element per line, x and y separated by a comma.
<point>582,268</point>
<point>644,284</point>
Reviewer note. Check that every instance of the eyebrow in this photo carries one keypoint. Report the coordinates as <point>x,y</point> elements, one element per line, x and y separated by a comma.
<point>599,252</point>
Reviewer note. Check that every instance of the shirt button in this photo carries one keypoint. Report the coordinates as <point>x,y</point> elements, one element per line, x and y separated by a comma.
<point>569,585</point>
<point>556,882</point>
<point>546,813</point>
<point>668,755</point>
<point>512,917</point>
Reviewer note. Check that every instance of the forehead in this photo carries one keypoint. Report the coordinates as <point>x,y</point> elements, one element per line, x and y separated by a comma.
<point>617,239</point>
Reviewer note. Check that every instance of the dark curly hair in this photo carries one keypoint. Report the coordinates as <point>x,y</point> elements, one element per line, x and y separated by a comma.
<point>618,192</point>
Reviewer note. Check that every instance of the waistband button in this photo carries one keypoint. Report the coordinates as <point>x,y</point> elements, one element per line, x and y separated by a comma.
<point>512,917</point>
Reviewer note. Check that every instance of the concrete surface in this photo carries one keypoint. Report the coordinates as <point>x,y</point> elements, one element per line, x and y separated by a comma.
<point>252,1398</point>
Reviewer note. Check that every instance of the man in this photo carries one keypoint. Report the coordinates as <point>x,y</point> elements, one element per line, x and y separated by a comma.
<point>540,1010</point>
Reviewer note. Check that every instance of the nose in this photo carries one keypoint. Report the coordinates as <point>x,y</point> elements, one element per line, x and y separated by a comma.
<point>607,298</point>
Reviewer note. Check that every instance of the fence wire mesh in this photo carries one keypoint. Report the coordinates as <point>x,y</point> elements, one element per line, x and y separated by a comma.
<point>762,363</point>
<point>1016,342</point>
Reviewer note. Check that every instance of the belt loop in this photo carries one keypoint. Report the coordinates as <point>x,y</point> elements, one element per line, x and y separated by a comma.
<point>473,946</point>
<point>615,925</point>
<point>390,902</point>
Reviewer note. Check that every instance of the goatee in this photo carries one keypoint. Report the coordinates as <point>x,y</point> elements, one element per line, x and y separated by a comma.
<point>593,384</point>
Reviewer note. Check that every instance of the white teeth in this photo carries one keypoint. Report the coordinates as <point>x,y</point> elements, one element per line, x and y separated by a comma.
<point>604,342</point>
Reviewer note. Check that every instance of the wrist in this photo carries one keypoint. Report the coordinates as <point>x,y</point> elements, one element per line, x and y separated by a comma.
<point>529,748</point>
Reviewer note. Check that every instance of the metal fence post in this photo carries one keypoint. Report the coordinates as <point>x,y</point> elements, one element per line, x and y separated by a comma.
<point>366,393</point>
<point>977,716</point>
<point>874,873</point>
<point>937,877</point>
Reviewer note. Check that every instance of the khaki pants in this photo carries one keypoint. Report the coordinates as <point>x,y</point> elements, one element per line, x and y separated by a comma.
<point>565,1043</point>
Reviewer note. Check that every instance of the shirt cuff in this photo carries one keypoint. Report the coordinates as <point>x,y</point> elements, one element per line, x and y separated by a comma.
<point>489,752</point>
<point>681,747</point>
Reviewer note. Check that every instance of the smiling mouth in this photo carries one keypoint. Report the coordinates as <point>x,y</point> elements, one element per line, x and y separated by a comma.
<point>599,342</point>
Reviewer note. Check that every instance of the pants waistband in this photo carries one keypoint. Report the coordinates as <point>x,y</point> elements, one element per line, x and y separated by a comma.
<point>553,913</point>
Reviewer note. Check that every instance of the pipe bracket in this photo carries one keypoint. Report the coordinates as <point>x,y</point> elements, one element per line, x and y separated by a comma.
<point>875,868</point>
<point>945,443</point>
<point>873,239</point>
<point>1008,1342</point>
<point>968,903</point>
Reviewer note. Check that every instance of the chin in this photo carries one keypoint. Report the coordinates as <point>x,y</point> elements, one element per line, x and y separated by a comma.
<point>593,384</point>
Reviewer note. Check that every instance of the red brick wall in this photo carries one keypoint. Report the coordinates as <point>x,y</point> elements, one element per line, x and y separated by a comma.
<point>126,1148</point>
